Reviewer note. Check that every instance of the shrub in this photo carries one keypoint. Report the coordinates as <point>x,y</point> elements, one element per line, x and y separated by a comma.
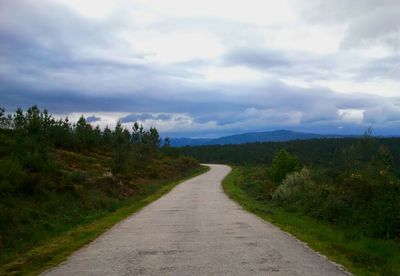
<point>282,164</point>
<point>11,175</point>
<point>293,184</point>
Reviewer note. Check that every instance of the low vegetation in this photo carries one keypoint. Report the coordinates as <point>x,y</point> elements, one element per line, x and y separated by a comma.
<point>62,184</point>
<point>360,253</point>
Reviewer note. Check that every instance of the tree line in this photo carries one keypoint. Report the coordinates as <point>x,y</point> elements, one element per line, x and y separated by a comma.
<point>78,136</point>
<point>36,132</point>
<point>327,152</point>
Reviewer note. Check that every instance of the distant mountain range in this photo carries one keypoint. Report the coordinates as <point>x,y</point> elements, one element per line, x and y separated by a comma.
<point>252,137</point>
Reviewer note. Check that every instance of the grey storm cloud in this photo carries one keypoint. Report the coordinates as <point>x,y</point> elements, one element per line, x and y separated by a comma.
<point>388,68</point>
<point>258,58</point>
<point>380,25</point>
<point>369,22</point>
<point>342,10</point>
<point>283,63</point>
<point>144,116</point>
<point>382,114</point>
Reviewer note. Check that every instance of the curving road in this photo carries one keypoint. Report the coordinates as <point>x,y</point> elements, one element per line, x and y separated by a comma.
<point>195,230</point>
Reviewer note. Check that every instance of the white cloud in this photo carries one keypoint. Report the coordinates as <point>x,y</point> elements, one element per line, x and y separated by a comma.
<point>351,115</point>
<point>173,47</point>
<point>262,12</point>
<point>304,37</point>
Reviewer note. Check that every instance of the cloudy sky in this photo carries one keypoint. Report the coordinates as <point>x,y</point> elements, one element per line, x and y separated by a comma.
<point>206,68</point>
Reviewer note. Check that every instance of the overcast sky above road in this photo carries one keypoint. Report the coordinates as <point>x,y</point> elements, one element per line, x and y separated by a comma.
<point>206,68</point>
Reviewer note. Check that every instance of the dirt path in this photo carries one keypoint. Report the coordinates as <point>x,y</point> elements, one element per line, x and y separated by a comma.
<point>195,230</point>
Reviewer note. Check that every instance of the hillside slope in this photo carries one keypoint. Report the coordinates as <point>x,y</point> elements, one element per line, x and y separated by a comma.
<point>252,137</point>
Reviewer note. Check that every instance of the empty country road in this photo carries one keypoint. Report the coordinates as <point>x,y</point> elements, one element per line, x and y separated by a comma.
<point>195,230</point>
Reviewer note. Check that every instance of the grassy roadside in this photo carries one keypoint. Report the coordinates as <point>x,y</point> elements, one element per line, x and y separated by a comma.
<point>58,249</point>
<point>360,255</point>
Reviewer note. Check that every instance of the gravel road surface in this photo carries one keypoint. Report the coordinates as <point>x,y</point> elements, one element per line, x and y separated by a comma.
<point>195,230</point>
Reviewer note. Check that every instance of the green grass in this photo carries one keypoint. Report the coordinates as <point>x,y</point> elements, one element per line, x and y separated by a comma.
<point>359,255</point>
<point>55,250</point>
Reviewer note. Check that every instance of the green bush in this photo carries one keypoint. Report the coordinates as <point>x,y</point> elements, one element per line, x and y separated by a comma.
<point>282,164</point>
<point>12,175</point>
